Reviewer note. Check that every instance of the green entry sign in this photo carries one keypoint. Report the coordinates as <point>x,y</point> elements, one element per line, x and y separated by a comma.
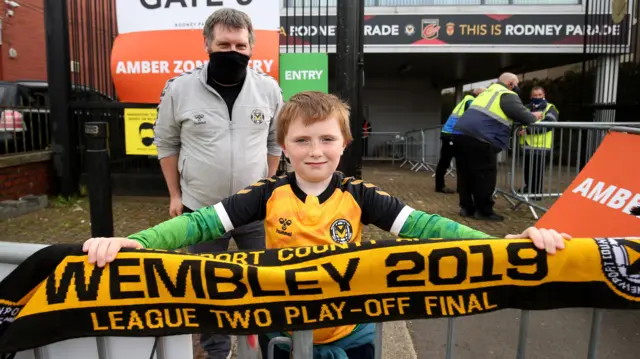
<point>303,72</point>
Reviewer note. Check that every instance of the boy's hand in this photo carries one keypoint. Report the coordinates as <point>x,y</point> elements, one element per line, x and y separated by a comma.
<point>547,239</point>
<point>103,250</point>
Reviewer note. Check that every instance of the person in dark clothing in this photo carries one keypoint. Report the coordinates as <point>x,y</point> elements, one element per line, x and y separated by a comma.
<point>486,128</point>
<point>448,135</point>
<point>366,131</point>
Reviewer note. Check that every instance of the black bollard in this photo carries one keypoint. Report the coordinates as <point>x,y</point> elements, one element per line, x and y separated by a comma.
<point>99,178</point>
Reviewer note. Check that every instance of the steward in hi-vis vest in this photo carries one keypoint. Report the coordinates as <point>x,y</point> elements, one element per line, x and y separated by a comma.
<point>460,108</point>
<point>486,129</point>
<point>537,142</point>
<point>540,138</point>
<point>447,135</point>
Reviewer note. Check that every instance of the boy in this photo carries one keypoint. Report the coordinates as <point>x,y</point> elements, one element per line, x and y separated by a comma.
<point>314,205</point>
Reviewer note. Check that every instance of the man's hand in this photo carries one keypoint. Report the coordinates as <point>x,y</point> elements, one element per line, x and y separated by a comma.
<point>547,239</point>
<point>538,115</point>
<point>522,132</point>
<point>175,206</point>
<point>273,163</point>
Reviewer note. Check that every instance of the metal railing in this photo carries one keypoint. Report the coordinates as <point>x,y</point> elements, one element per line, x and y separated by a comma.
<point>537,175</point>
<point>422,148</point>
<point>526,176</point>
<point>24,129</point>
<point>383,146</point>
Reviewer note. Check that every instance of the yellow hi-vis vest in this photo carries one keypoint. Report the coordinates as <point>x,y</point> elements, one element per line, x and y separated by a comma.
<point>459,109</point>
<point>539,140</point>
<point>455,115</point>
<point>488,103</point>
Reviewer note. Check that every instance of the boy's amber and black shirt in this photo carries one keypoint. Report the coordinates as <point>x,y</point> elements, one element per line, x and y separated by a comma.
<point>293,219</point>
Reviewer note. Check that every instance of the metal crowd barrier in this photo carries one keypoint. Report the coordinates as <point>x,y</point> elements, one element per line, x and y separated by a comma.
<point>181,346</point>
<point>422,149</point>
<point>383,146</point>
<point>536,174</point>
<point>527,175</point>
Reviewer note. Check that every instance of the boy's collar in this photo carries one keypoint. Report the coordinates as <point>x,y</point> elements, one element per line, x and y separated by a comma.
<point>325,195</point>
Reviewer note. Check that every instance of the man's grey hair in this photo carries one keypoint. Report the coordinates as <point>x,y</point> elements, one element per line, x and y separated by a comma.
<point>228,18</point>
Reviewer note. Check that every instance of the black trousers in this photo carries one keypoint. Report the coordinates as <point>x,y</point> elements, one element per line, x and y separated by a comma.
<point>447,152</point>
<point>534,165</point>
<point>477,167</point>
<point>362,352</point>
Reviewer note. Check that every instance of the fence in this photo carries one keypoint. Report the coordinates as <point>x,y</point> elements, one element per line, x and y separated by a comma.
<point>24,118</point>
<point>535,177</point>
<point>548,172</point>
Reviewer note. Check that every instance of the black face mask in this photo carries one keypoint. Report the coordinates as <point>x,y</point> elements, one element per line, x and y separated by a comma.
<point>516,89</point>
<point>228,67</point>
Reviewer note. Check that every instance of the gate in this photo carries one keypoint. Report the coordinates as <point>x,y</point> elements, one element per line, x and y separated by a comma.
<point>80,35</point>
<point>610,74</point>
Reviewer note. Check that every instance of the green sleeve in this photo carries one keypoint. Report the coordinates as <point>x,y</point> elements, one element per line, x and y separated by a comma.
<point>181,231</point>
<point>422,225</point>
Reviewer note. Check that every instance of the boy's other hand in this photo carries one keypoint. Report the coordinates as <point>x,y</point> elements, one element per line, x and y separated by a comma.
<point>547,239</point>
<point>103,250</point>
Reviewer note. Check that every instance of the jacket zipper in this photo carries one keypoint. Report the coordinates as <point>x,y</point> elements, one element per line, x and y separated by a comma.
<point>230,137</point>
<point>231,149</point>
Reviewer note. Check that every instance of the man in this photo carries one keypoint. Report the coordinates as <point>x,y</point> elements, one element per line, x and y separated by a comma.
<point>447,135</point>
<point>537,142</point>
<point>215,134</point>
<point>486,129</point>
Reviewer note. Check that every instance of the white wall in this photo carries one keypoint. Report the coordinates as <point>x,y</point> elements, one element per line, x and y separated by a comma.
<point>400,105</point>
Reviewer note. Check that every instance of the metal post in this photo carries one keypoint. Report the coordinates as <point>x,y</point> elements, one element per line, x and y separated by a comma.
<point>64,139</point>
<point>302,347</point>
<point>348,27</point>
<point>359,91</point>
<point>244,351</point>
<point>99,178</point>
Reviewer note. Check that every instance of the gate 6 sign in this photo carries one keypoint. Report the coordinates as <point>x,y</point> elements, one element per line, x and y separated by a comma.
<point>154,15</point>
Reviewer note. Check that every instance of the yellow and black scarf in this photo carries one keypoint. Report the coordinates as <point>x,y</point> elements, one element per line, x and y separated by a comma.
<point>56,295</point>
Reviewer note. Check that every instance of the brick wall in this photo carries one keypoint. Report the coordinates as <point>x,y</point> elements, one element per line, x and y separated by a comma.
<point>23,179</point>
<point>24,32</point>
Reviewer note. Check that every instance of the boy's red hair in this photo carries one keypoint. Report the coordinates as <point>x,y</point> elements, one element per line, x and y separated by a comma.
<point>312,107</point>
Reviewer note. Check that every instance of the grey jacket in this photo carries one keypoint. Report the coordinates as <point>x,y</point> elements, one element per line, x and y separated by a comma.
<point>217,157</point>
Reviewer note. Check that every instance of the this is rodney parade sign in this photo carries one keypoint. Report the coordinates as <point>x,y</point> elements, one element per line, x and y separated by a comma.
<point>468,29</point>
